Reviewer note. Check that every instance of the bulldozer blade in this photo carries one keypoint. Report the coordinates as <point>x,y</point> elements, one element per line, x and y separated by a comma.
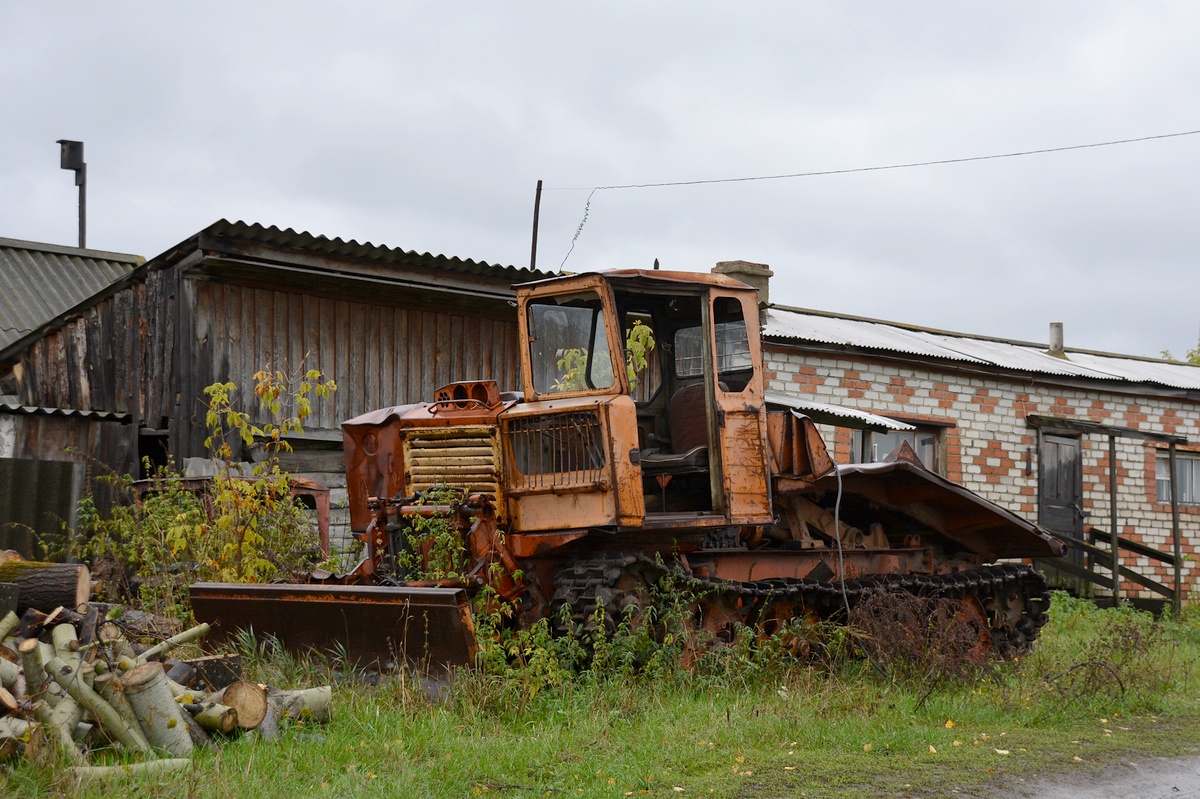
<point>372,626</point>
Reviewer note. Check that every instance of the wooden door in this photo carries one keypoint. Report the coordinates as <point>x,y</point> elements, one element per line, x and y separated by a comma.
<point>1060,499</point>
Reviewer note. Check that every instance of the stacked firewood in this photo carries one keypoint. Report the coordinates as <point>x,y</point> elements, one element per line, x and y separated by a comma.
<point>79,681</point>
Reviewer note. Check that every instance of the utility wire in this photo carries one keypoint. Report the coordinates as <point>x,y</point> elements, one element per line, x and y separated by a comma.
<point>911,165</point>
<point>848,171</point>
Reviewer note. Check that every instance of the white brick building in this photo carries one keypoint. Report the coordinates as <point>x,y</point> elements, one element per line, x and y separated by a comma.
<point>1026,427</point>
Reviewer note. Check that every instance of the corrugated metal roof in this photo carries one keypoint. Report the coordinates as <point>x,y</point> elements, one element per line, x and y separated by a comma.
<point>33,410</point>
<point>824,413</point>
<point>800,324</point>
<point>299,240</point>
<point>38,282</point>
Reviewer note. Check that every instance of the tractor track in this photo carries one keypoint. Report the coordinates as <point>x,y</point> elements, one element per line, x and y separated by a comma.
<point>1014,596</point>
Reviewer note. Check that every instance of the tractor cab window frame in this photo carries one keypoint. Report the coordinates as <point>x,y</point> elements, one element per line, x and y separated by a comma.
<point>569,347</point>
<point>643,360</point>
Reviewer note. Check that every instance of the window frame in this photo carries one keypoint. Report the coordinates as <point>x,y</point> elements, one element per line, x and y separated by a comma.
<point>936,431</point>
<point>1187,487</point>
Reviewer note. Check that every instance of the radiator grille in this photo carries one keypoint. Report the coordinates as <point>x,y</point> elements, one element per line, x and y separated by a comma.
<point>556,450</point>
<point>463,457</point>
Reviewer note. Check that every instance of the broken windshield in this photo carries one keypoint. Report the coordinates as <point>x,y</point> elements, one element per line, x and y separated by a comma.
<point>568,345</point>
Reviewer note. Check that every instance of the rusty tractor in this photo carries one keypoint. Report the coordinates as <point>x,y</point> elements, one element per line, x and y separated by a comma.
<point>643,441</point>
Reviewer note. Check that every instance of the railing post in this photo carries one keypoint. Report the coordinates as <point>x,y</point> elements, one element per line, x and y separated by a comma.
<point>1178,603</point>
<point>1112,514</point>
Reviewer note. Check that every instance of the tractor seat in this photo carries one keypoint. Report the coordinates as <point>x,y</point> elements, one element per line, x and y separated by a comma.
<point>694,460</point>
<point>689,436</point>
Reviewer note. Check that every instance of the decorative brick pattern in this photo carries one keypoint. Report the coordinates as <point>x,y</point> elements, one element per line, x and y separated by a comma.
<point>989,445</point>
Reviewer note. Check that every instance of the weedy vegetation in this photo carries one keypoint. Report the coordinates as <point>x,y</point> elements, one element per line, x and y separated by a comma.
<point>635,712</point>
<point>638,704</point>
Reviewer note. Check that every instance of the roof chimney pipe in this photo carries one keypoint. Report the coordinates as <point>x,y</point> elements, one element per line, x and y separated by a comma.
<point>71,157</point>
<point>1056,340</point>
<point>755,275</point>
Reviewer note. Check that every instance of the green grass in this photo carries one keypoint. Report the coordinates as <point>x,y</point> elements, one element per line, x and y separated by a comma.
<point>758,725</point>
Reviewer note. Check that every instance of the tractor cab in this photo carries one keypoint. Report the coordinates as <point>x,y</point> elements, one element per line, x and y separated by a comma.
<point>674,358</point>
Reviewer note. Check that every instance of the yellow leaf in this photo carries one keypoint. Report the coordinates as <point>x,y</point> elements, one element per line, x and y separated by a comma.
<point>1080,759</point>
<point>1001,751</point>
<point>958,743</point>
<point>789,768</point>
<point>932,750</point>
<point>949,724</point>
<point>866,747</point>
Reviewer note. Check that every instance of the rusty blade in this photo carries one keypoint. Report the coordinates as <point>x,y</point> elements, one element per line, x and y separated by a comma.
<point>429,628</point>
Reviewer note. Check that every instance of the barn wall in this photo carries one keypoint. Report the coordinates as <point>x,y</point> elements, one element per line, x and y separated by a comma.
<point>46,462</point>
<point>88,363</point>
<point>379,355</point>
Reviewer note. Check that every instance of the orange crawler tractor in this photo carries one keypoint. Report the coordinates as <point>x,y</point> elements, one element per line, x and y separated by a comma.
<point>642,442</point>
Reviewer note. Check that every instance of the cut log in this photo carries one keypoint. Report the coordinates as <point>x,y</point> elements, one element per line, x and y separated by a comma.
<point>15,726</point>
<point>248,700</point>
<point>8,702</point>
<point>66,645</point>
<point>309,704</point>
<point>31,659</point>
<point>59,735</point>
<point>9,672</point>
<point>182,673</point>
<point>84,773</point>
<point>33,621</point>
<point>156,709</point>
<point>216,718</point>
<point>112,636</point>
<point>45,586</point>
<point>198,735</point>
<point>268,728</point>
<point>158,650</point>
<point>8,624</point>
<point>101,710</point>
<point>111,690</point>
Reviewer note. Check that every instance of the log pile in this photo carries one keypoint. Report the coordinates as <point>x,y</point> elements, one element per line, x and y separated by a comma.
<point>76,681</point>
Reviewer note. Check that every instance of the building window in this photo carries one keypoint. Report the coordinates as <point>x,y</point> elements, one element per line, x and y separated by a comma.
<point>1187,478</point>
<point>872,447</point>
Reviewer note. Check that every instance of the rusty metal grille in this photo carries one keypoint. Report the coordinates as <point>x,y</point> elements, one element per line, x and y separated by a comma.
<point>463,457</point>
<point>556,451</point>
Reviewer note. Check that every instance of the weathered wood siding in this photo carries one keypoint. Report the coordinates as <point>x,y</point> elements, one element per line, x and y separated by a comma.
<point>379,355</point>
<point>165,339</point>
<point>45,461</point>
<point>88,363</point>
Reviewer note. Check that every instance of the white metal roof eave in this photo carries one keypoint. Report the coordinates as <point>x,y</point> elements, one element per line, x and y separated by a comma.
<point>837,415</point>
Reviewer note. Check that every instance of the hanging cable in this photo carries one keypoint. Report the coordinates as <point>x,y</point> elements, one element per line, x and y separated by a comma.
<point>824,172</point>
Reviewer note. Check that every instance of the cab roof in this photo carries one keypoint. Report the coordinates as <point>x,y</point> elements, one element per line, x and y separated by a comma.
<point>646,278</point>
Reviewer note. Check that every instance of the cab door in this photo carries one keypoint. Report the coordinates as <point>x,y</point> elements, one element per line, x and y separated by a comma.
<point>739,422</point>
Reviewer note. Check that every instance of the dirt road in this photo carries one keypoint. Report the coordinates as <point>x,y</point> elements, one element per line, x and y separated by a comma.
<point>1141,777</point>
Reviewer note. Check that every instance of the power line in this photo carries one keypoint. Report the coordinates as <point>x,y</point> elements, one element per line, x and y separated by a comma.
<point>911,165</point>
<point>824,172</point>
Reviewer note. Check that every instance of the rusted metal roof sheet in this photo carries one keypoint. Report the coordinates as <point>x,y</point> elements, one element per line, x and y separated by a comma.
<point>39,282</point>
<point>951,509</point>
<point>798,324</point>
<point>323,245</point>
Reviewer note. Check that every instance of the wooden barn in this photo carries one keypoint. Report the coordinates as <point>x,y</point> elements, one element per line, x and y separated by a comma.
<point>388,325</point>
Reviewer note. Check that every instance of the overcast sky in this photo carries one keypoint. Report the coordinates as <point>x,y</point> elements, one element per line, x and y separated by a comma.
<point>427,126</point>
